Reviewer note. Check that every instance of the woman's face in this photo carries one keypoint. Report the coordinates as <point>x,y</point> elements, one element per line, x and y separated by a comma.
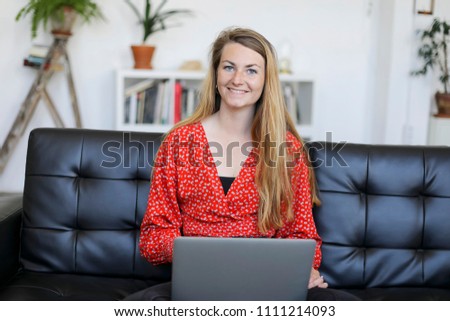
<point>240,76</point>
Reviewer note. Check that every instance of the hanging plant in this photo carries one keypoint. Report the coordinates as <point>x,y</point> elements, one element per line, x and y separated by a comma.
<point>42,11</point>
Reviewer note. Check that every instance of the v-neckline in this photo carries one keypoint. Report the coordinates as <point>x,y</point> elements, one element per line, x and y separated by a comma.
<point>215,169</point>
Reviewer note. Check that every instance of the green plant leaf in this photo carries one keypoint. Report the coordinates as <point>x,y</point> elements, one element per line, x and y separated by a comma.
<point>41,11</point>
<point>153,21</point>
<point>434,51</point>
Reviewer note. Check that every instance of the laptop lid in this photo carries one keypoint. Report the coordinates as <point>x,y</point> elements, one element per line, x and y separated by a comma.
<point>237,269</point>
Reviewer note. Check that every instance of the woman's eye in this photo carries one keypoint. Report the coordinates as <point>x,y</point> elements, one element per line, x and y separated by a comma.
<point>228,68</point>
<point>252,71</point>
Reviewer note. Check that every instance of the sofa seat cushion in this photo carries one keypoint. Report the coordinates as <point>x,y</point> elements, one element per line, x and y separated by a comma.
<point>401,294</point>
<point>53,287</point>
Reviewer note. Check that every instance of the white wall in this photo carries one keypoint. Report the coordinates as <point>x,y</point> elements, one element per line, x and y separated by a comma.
<point>341,42</point>
<point>403,103</point>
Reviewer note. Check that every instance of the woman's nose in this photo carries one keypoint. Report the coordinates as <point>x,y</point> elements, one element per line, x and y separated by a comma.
<point>238,78</point>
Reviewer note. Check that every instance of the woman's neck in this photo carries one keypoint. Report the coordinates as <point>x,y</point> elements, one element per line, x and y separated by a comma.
<point>236,122</point>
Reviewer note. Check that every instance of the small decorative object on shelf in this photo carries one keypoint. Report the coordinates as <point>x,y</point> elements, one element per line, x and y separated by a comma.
<point>434,53</point>
<point>152,20</point>
<point>191,65</point>
<point>153,101</point>
<point>284,60</point>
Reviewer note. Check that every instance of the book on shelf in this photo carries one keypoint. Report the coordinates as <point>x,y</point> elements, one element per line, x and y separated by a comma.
<point>151,96</point>
<point>36,60</point>
<point>299,109</point>
<point>28,63</point>
<point>177,113</point>
<point>132,110</point>
<point>184,92</point>
<point>141,107</point>
<point>159,103</point>
<point>191,100</point>
<point>166,115</point>
<point>126,110</point>
<point>139,87</point>
<point>35,64</point>
<point>291,102</point>
<point>38,50</point>
<point>188,101</point>
<point>297,104</point>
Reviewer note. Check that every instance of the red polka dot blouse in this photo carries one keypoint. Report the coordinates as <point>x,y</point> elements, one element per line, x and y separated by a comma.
<point>187,198</point>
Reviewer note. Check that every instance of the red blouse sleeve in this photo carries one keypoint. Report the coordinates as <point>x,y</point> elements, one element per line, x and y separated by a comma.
<point>302,226</point>
<point>162,219</point>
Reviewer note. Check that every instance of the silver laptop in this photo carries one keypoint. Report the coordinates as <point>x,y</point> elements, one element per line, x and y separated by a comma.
<point>238,269</point>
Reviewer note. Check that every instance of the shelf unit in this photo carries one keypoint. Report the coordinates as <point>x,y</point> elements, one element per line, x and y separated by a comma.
<point>300,89</point>
<point>439,131</point>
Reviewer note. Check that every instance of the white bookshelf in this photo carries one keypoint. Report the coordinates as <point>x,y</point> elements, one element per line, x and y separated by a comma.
<point>439,131</point>
<point>300,105</point>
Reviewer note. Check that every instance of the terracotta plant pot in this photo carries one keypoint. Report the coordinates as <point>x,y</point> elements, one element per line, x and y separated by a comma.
<point>63,22</point>
<point>143,56</point>
<point>443,104</point>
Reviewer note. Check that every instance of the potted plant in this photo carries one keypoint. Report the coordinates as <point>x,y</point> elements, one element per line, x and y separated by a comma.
<point>434,53</point>
<point>61,13</point>
<point>151,20</point>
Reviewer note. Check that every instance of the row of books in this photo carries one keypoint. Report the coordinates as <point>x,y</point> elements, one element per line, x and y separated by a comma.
<point>153,101</point>
<point>37,56</point>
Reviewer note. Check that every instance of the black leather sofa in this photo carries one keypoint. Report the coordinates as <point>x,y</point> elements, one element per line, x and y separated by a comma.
<point>385,219</point>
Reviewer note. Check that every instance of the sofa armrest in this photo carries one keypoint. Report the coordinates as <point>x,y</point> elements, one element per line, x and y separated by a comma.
<point>10,223</point>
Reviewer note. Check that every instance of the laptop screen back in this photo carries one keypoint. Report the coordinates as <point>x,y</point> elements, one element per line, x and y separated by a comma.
<point>241,269</point>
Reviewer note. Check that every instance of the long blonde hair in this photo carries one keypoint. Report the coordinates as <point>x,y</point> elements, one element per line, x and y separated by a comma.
<point>270,125</point>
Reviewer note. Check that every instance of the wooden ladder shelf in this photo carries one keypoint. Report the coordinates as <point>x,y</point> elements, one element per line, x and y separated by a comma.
<point>56,53</point>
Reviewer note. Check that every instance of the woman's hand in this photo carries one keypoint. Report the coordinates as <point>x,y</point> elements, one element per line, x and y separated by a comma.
<point>315,280</point>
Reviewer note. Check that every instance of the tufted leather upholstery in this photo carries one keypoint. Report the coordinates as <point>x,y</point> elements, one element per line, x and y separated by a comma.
<point>384,219</point>
<point>84,197</point>
<point>83,203</point>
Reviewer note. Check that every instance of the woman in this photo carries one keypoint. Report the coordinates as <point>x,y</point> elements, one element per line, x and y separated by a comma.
<point>237,167</point>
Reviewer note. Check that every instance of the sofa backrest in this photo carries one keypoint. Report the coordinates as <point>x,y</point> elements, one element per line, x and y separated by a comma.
<point>384,218</point>
<point>385,214</point>
<point>84,198</point>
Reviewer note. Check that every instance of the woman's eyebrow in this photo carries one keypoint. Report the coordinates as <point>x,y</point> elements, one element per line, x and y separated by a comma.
<point>247,66</point>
